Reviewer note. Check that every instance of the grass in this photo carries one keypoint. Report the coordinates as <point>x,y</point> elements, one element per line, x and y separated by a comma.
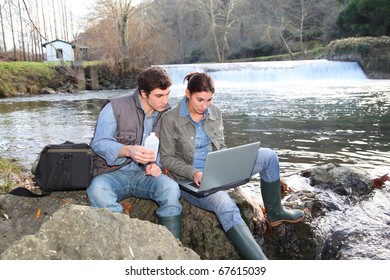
<point>7,69</point>
<point>24,77</point>
<point>10,171</point>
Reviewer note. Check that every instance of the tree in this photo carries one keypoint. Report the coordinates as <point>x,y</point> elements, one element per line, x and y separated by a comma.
<point>10,5</point>
<point>219,14</point>
<point>2,30</point>
<point>150,37</point>
<point>365,18</point>
<point>118,12</point>
<point>22,34</point>
<point>279,22</point>
<point>210,30</point>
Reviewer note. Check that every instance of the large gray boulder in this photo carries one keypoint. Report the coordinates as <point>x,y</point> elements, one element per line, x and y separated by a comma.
<point>78,232</point>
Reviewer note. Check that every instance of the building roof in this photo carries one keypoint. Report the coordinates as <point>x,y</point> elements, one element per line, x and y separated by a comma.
<point>56,40</point>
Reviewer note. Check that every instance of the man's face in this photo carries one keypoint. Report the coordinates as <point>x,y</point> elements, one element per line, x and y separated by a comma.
<point>157,99</point>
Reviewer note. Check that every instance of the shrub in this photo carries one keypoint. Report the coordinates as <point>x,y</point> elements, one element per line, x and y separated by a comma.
<point>258,49</point>
<point>365,18</point>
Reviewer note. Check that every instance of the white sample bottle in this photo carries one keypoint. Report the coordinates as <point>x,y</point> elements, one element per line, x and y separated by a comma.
<point>151,143</point>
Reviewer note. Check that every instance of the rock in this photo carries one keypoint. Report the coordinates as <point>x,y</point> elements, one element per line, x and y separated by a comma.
<point>322,192</point>
<point>201,230</point>
<point>372,54</point>
<point>47,90</point>
<point>342,180</point>
<point>18,214</point>
<point>78,232</point>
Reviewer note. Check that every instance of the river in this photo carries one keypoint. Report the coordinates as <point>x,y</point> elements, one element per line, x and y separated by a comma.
<point>309,121</point>
<point>310,113</point>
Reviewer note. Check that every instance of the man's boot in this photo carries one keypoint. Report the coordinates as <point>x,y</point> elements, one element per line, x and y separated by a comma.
<point>172,223</point>
<point>276,215</point>
<point>243,241</point>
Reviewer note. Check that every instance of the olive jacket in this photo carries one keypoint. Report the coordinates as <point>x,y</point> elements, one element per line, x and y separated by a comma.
<point>178,140</point>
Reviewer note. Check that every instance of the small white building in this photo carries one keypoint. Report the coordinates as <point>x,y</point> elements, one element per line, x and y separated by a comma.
<point>59,50</point>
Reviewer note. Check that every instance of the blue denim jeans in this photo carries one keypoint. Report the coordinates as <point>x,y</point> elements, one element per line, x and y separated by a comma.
<point>267,165</point>
<point>106,190</point>
<point>219,203</point>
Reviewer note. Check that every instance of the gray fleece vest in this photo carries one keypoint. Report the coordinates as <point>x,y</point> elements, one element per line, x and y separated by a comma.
<point>129,118</point>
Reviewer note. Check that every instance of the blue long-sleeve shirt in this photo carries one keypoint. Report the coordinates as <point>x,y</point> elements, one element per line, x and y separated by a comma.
<point>203,141</point>
<point>105,144</point>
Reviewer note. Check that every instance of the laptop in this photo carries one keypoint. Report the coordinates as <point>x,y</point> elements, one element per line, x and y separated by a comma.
<point>224,169</point>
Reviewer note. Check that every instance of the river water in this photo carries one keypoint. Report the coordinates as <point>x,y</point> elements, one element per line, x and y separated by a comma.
<point>310,113</point>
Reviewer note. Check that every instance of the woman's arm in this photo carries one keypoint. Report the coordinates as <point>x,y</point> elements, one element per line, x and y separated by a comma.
<point>173,150</point>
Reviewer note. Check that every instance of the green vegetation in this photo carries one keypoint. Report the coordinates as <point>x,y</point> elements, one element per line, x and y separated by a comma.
<point>9,172</point>
<point>258,49</point>
<point>25,77</point>
<point>93,63</point>
<point>365,18</point>
<point>311,54</point>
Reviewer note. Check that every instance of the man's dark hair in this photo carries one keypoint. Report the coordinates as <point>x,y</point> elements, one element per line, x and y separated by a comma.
<point>152,78</point>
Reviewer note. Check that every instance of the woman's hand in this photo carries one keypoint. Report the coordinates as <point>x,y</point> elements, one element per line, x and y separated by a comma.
<point>197,177</point>
<point>153,169</point>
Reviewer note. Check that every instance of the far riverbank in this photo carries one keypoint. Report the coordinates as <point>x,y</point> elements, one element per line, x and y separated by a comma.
<point>34,78</point>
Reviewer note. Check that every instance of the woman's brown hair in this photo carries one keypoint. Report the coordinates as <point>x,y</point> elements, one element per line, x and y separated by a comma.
<point>197,82</point>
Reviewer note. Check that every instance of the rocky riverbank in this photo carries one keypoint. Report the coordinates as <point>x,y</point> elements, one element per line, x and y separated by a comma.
<point>63,226</point>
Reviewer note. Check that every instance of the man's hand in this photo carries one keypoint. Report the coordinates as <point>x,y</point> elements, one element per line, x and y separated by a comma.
<point>137,153</point>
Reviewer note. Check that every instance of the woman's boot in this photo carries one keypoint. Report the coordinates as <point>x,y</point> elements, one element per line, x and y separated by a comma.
<point>243,241</point>
<point>276,215</point>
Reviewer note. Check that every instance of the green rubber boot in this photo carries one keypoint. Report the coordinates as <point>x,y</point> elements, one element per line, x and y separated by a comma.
<point>173,224</point>
<point>273,207</point>
<point>243,241</point>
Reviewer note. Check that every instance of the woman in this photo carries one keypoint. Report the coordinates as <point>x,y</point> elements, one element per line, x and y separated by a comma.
<point>191,130</point>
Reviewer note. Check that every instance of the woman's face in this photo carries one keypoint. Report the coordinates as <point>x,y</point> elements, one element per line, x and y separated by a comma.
<point>198,102</point>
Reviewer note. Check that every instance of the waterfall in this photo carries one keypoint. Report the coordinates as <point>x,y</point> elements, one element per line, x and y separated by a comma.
<point>275,71</point>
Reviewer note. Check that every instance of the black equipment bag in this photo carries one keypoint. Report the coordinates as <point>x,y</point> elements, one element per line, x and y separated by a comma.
<point>64,167</point>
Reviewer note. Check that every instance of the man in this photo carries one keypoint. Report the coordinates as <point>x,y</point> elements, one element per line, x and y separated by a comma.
<point>123,167</point>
